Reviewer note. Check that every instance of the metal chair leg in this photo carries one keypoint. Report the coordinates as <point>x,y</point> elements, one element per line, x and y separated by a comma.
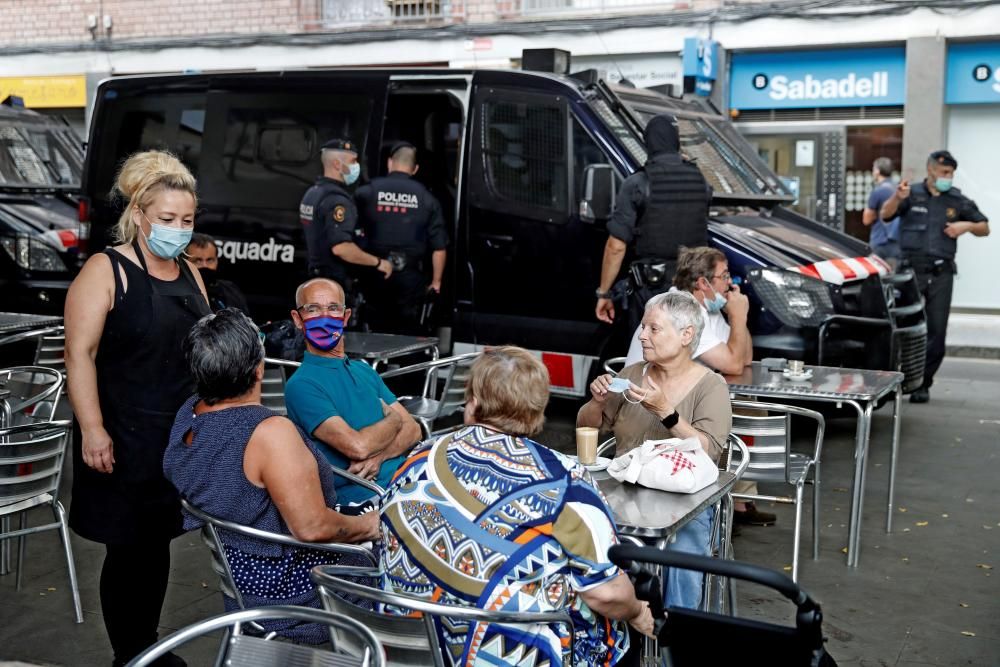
<point>60,513</point>
<point>816,511</point>
<point>4,546</point>
<point>798,531</point>
<point>20,552</point>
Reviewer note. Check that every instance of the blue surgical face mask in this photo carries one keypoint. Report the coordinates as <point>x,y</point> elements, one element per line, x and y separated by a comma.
<point>716,303</point>
<point>942,184</point>
<point>167,242</point>
<point>353,171</point>
<point>323,332</point>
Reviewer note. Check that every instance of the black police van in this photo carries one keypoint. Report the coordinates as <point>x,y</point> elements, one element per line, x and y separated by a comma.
<point>40,163</point>
<point>526,166</point>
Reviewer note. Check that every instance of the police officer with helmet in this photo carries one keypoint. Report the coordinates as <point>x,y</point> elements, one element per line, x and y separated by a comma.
<point>932,215</point>
<point>403,221</point>
<point>330,218</point>
<point>659,209</point>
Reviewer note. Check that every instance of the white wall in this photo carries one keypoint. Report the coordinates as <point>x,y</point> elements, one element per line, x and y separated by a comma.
<point>973,138</point>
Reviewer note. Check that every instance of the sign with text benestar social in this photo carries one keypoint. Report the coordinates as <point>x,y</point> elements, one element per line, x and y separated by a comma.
<point>802,79</point>
<point>973,73</point>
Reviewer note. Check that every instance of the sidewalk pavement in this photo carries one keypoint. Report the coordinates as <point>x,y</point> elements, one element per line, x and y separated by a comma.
<point>924,595</point>
<point>973,335</point>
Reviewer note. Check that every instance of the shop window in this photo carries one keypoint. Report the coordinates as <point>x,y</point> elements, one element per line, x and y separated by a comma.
<point>525,152</point>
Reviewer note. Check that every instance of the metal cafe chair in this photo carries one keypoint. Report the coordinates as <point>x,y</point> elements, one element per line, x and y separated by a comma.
<point>50,348</point>
<point>614,365</point>
<point>31,461</point>
<point>771,459</point>
<point>412,639</point>
<point>272,390</point>
<point>240,650</point>
<point>32,394</point>
<point>437,400</point>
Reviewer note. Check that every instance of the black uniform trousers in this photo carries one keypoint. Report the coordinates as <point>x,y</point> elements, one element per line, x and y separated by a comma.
<point>936,289</point>
<point>394,303</point>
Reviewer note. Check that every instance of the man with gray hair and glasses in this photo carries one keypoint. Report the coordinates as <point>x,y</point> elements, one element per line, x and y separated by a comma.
<point>344,405</point>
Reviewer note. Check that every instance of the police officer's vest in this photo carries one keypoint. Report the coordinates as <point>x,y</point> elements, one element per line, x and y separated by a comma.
<point>921,229</point>
<point>321,260</point>
<point>398,215</point>
<point>676,209</point>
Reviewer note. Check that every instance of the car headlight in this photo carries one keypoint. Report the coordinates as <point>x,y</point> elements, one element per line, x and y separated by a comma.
<point>795,299</point>
<point>32,254</point>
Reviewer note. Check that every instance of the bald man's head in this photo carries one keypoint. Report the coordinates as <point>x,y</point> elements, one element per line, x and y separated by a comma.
<point>319,290</point>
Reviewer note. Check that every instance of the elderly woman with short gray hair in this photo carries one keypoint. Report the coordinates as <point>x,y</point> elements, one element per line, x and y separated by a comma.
<point>671,396</point>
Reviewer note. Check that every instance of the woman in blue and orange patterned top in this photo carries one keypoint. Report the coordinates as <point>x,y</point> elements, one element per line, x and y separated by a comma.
<point>486,517</point>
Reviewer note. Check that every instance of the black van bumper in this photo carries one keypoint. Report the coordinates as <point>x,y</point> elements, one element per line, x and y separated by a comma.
<point>41,297</point>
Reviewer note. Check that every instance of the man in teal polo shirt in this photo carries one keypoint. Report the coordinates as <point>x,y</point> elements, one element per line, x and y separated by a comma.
<point>344,405</point>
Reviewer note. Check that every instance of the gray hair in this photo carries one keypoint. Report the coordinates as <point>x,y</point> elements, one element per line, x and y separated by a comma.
<point>884,166</point>
<point>223,352</point>
<point>683,310</point>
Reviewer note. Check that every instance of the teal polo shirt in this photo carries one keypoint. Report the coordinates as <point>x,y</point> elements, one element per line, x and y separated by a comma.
<point>324,387</point>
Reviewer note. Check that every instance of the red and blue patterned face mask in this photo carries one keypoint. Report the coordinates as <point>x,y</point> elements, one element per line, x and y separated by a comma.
<point>323,332</point>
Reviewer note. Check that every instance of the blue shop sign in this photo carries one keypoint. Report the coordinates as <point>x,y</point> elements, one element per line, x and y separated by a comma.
<point>802,79</point>
<point>973,75</point>
<point>701,61</point>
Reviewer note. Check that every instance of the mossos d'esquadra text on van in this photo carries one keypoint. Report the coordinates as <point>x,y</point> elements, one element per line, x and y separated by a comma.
<point>270,251</point>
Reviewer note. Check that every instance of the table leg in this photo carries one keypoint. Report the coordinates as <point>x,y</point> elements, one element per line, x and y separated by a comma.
<point>896,420</point>
<point>862,437</point>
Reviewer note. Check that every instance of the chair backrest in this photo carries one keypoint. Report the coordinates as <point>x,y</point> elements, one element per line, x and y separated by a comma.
<point>338,580</point>
<point>272,390</point>
<point>614,365</point>
<point>51,350</point>
<point>31,458</point>
<point>34,394</point>
<point>242,650</point>
<point>450,374</point>
<point>766,428</point>
<point>452,397</point>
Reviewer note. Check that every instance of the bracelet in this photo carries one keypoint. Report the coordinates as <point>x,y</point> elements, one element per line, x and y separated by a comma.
<point>671,420</point>
<point>378,262</point>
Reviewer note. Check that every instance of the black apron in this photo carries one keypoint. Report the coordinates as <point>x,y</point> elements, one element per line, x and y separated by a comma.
<point>142,380</point>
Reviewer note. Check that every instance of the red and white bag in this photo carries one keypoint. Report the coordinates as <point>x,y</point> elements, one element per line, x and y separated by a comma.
<point>677,465</point>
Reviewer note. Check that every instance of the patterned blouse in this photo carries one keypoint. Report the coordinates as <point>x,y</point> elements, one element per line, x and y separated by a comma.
<point>484,519</point>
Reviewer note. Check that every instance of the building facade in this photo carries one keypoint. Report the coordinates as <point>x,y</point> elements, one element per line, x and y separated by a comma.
<point>820,90</point>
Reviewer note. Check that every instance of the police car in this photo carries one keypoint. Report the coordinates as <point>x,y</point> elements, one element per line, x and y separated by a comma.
<point>525,165</point>
<point>40,163</point>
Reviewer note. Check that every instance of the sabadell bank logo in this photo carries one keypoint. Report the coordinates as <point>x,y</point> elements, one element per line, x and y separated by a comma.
<point>271,251</point>
<point>981,73</point>
<point>812,88</point>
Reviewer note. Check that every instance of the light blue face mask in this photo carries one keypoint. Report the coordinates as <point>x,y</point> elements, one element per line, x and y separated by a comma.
<point>942,184</point>
<point>716,304</point>
<point>166,242</point>
<point>354,170</point>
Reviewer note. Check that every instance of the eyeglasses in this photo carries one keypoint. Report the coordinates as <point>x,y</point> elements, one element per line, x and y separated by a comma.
<point>319,309</point>
<point>725,275</point>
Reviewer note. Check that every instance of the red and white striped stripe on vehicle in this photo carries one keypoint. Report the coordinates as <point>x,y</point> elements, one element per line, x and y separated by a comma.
<point>840,271</point>
<point>567,372</point>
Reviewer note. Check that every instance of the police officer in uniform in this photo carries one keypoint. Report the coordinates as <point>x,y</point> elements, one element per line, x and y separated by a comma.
<point>330,219</point>
<point>402,222</point>
<point>932,216</point>
<point>659,209</point>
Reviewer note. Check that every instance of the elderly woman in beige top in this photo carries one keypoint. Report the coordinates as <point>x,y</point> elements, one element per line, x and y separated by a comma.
<point>670,396</point>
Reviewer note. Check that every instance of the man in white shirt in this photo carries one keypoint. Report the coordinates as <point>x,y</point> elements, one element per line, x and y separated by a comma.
<point>725,346</point>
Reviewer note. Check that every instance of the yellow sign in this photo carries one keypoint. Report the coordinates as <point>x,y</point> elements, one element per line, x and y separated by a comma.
<point>41,92</point>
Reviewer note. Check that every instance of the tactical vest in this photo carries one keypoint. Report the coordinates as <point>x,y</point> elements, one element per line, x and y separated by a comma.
<point>921,229</point>
<point>321,261</point>
<point>676,210</point>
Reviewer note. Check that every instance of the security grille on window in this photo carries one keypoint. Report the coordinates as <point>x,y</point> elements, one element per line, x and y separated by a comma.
<point>525,148</point>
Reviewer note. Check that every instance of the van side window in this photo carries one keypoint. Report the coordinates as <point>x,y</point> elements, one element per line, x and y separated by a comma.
<point>586,152</point>
<point>525,151</point>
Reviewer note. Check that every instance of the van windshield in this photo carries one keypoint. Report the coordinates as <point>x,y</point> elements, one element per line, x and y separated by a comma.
<point>726,160</point>
<point>37,156</point>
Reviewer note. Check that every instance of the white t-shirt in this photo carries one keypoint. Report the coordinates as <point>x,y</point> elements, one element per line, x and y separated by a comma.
<point>715,332</point>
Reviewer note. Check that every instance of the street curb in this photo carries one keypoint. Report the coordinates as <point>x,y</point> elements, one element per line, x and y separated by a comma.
<point>972,351</point>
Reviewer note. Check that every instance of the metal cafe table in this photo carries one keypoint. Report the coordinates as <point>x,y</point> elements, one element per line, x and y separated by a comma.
<point>12,323</point>
<point>379,348</point>
<point>857,388</point>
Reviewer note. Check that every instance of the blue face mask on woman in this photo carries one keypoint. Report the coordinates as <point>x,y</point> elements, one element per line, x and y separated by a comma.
<point>323,332</point>
<point>166,242</point>
<point>353,171</point>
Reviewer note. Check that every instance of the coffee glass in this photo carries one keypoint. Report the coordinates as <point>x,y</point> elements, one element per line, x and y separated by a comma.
<point>586,445</point>
<point>796,366</point>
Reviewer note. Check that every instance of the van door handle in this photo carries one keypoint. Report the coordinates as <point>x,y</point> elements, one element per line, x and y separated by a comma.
<point>497,241</point>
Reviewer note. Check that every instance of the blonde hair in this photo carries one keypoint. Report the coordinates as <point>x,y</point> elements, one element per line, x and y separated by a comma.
<point>140,179</point>
<point>511,388</point>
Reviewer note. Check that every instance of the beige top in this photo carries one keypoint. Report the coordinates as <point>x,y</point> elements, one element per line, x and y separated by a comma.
<point>706,407</point>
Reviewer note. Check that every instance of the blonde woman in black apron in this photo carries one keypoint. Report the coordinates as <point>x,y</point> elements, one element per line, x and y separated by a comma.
<point>127,314</point>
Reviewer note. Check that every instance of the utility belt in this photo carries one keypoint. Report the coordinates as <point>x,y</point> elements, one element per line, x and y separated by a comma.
<point>402,261</point>
<point>934,266</point>
<point>652,273</point>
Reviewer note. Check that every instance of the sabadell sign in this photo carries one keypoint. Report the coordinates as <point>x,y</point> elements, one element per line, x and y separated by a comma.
<point>834,78</point>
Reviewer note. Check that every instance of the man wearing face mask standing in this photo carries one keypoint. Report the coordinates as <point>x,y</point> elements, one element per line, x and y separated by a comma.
<point>330,218</point>
<point>932,215</point>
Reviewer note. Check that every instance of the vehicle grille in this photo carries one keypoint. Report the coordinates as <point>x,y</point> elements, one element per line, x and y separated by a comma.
<point>912,346</point>
<point>910,328</point>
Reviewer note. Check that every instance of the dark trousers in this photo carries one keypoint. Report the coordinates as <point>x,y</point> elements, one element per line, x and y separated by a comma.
<point>936,290</point>
<point>394,303</point>
<point>133,585</point>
